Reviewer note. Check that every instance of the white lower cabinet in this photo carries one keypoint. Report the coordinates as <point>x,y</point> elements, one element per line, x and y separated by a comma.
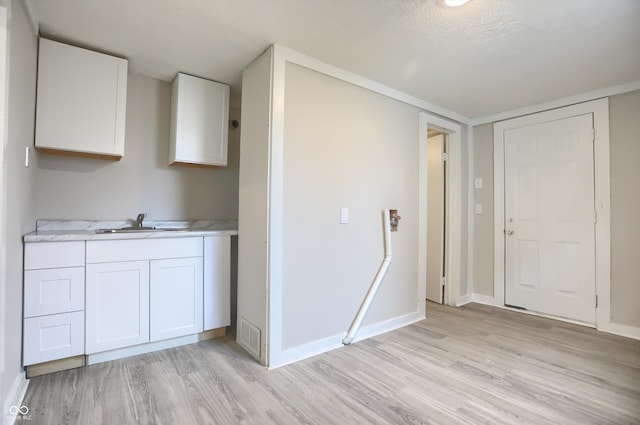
<point>53,301</point>
<point>53,337</point>
<point>117,294</point>
<point>117,305</point>
<point>175,297</point>
<point>141,291</point>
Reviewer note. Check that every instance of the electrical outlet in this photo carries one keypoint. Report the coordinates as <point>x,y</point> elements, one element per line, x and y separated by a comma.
<point>394,219</point>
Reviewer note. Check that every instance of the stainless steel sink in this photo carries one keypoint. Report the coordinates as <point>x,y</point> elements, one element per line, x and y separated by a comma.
<point>134,229</point>
<point>130,230</point>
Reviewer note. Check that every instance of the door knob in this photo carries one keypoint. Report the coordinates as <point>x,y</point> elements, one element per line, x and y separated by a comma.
<point>510,232</point>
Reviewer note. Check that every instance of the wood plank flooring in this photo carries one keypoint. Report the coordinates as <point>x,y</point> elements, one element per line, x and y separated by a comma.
<point>470,365</point>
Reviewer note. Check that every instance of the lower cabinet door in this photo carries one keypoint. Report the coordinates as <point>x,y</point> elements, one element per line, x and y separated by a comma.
<point>117,305</point>
<point>217,282</point>
<point>53,337</point>
<point>176,297</point>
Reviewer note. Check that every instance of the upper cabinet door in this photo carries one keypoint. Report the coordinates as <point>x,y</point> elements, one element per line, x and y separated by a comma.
<point>199,121</point>
<point>81,101</point>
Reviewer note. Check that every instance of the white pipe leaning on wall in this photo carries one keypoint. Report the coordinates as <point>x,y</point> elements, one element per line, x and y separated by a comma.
<point>382,271</point>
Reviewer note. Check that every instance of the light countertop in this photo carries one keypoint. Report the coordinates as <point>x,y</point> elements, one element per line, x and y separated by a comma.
<point>85,230</point>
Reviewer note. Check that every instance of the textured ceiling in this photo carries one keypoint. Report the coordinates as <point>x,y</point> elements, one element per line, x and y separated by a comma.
<point>484,58</point>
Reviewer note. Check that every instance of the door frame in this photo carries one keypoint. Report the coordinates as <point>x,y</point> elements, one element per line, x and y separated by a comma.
<point>4,89</point>
<point>600,110</point>
<point>453,215</point>
<point>442,270</point>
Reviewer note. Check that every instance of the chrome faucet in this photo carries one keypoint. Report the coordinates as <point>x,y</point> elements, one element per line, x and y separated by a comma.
<point>140,219</point>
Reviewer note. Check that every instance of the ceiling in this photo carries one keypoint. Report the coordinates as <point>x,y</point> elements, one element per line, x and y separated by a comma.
<point>477,60</point>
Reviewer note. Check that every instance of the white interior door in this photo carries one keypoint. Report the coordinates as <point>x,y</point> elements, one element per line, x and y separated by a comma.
<point>435,218</point>
<point>549,218</point>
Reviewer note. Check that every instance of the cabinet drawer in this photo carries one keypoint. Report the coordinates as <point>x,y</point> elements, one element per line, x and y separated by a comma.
<point>52,291</point>
<point>53,337</point>
<point>143,249</point>
<point>53,255</point>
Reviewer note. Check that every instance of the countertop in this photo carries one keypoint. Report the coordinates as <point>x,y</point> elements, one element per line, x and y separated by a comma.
<point>85,230</point>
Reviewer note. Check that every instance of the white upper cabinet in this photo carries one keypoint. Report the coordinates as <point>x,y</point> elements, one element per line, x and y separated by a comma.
<point>199,121</point>
<point>81,101</point>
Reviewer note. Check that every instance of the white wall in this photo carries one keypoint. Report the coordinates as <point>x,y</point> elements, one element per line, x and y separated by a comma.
<point>345,146</point>
<point>483,223</point>
<point>142,181</point>
<point>624,112</point>
<point>21,191</point>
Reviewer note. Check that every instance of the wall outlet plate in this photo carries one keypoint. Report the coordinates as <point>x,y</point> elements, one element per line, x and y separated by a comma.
<point>344,215</point>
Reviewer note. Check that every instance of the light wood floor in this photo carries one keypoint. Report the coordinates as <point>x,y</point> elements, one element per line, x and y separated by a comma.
<point>473,364</point>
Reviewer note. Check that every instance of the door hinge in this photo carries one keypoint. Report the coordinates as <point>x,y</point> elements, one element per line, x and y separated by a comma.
<point>593,134</point>
<point>443,281</point>
<point>595,217</point>
<point>445,156</point>
<point>596,301</point>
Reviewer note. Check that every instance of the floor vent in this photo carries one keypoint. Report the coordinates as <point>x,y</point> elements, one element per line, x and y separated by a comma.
<point>249,338</point>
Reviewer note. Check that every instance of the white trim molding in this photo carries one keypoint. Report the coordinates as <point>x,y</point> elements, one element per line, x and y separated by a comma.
<point>558,103</point>
<point>32,14</point>
<point>4,90</point>
<point>314,348</point>
<point>298,58</point>
<point>600,110</point>
<point>14,400</point>
<point>484,299</point>
<point>623,330</point>
<point>612,328</point>
<point>463,300</point>
<point>275,212</point>
<point>471,215</point>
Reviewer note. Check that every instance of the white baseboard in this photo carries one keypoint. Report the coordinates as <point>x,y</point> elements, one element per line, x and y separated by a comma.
<point>462,300</point>
<point>387,325</point>
<point>305,351</point>
<point>314,348</point>
<point>13,404</point>
<point>622,330</point>
<point>611,327</point>
<point>141,349</point>
<point>484,299</point>
<point>487,300</point>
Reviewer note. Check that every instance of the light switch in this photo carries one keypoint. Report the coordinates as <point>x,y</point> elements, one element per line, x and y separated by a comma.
<point>344,215</point>
<point>478,208</point>
<point>478,183</point>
